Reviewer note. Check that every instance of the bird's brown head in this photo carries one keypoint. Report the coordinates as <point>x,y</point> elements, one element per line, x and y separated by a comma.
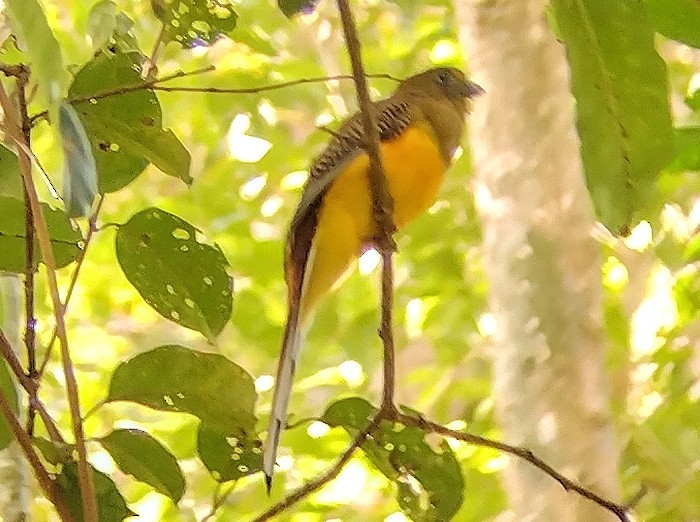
<point>442,97</point>
<point>442,82</point>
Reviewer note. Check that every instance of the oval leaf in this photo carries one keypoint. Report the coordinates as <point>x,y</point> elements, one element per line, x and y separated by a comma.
<point>228,457</point>
<point>174,378</point>
<point>182,279</point>
<point>147,460</point>
<point>111,507</point>
<point>79,170</point>
<point>621,91</point>
<point>65,240</point>
<point>125,130</point>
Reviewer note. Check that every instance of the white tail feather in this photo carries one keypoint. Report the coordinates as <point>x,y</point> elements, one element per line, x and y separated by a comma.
<point>283,389</point>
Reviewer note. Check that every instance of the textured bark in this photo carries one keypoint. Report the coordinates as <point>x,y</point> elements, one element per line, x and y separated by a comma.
<point>541,261</point>
<point>14,473</point>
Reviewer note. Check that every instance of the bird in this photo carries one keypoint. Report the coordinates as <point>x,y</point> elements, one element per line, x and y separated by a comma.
<point>420,127</point>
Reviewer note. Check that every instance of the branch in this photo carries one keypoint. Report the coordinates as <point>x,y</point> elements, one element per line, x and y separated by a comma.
<point>87,487</point>
<point>30,386</point>
<point>48,486</point>
<point>382,203</point>
<point>523,453</point>
<point>154,85</point>
<point>320,481</point>
<point>92,228</point>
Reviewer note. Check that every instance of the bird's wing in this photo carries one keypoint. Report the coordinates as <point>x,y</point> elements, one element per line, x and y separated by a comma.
<point>394,115</point>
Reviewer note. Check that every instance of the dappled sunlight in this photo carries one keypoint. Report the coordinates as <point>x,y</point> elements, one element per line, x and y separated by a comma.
<point>243,147</point>
<point>657,313</point>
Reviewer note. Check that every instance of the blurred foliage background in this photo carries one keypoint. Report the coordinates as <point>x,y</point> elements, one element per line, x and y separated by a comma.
<point>248,155</point>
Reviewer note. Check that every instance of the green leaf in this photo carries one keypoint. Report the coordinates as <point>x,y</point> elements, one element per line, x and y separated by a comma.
<point>10,178</point>
<point>228,456</point>
<point>292,7</point>
<point>676,19</point>
<point>182,279</point>
<point>147,460</point>
<point>8,389</point>
<point>691,253</point>
<point>79,170</point>
<point>109,26</point>
<point>111,507</point>
<point>174,378</point>
<point>621,91</point>
<point>429,480</point>
<point>54,452</point>
<point>30,25</point>
<point>195,22</point>
<point>687,150</point>
<point>125,130</point>
<point>65,240</point>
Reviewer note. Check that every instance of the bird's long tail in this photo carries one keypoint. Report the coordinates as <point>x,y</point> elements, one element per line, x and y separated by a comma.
<point>291,346</point>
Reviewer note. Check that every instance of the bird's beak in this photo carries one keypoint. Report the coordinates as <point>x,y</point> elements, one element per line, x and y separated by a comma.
<point>472,90</point>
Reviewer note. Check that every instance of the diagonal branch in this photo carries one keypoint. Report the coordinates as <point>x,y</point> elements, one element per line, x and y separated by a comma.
<point>87,486</point>
<point>523,453</point>
<point>320,481</point>
<point>47,484</point>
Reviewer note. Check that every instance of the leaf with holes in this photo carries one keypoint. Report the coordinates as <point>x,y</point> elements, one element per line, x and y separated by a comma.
<point>429,478</point>
<point>65,240</point>
<point>182,279</point>
<point>228,457</point>
<point>107,26</point>
<point>111,506</point>
<point>195,22</point>
<point>175,378</point>
<point>147,460</point>
<point>621,91</point>
<point>79,170</point>
<point>125,130</point>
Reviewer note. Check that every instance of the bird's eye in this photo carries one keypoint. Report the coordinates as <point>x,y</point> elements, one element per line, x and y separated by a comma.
<point>443,76</point>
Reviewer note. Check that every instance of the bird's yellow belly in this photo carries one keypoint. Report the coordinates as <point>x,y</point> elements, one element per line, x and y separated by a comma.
<point>414,169</point>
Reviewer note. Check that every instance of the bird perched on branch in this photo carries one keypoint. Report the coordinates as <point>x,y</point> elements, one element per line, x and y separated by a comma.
<point>420,127</point>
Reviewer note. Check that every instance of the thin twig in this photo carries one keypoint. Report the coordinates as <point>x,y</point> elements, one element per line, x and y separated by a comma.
<point>48,486</point>
<point>30,319</point>
<point>106,93</point>
<point>320,481</point>
<point>149,67</point>
<point>30,386</point>
<point>523,453</point>
<point>155,85</point>
<point>218,500</point>
<point>85,478</point>
<point>92,228</point>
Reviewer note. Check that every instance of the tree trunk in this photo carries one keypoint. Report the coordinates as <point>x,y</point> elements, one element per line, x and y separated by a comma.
<point>541,261</point>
